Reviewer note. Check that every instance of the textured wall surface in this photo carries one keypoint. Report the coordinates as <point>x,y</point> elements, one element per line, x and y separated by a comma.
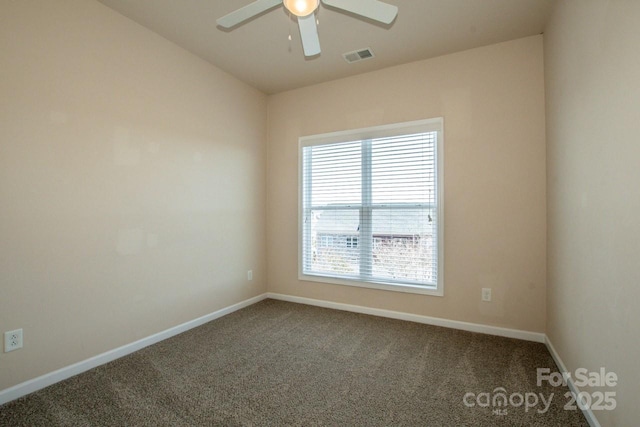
<point>492,101</point>
<point>593,128</point>
<point>132,195</point>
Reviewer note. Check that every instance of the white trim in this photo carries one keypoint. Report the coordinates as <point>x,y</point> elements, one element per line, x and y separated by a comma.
<point>435,124</point>
<point>588,413</point>
<point>46,380</point>
<point>436,321</point>
<point>363,135</point>
<point>393,287</point>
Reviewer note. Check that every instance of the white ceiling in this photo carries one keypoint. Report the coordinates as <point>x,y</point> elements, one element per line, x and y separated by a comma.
<point>259,52</point>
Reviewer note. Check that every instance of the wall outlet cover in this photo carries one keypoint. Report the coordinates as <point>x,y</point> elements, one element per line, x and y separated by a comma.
<point>12,340</point>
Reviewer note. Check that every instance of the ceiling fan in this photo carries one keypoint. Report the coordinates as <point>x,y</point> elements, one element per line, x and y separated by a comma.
<point>304,10</point>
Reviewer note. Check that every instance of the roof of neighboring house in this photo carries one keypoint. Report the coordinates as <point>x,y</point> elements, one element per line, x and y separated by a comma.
<point>385,222</point>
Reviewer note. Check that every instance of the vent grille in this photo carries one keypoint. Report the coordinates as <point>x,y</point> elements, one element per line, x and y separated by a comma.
<point>358,55</point>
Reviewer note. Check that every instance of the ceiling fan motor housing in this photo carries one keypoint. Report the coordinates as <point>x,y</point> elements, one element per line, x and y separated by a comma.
<point>301,7</point>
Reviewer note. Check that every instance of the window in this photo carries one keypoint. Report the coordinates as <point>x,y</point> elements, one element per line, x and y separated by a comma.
<point>352,242</point>
<point>371,207</point>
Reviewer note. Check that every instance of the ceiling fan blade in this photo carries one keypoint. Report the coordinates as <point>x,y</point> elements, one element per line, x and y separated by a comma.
<point>309,35</point>
<point>247,12</point>
<point>372,9</point>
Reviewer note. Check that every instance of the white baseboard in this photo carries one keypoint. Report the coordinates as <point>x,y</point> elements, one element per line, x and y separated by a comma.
<point>588,413</point>
<point>46,380</point>
<point>436,321</point>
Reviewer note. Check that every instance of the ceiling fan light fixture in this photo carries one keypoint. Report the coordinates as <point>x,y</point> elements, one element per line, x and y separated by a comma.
<point>301,7</point>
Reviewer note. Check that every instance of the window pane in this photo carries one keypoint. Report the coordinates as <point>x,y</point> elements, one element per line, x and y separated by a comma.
<point>336,174</point>
<point>403,169</point>
<point>404,245</point>
<point>369,207</point>
<point>334,241</point>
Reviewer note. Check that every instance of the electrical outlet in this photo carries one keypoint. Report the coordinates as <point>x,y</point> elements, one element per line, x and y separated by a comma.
<point>249,274</point>
<point>12,340</point>
<point>486,294</point>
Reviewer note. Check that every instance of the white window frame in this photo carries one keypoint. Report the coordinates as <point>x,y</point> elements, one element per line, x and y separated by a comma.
<point>420,126</point>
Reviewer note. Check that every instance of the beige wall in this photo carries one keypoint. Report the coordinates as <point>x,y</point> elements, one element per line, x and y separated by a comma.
<point>132,184</point>
<point>132,190</point>
<point>592,70</point>
<point>492,101</point>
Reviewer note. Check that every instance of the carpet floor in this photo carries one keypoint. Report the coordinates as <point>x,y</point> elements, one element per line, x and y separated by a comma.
<point>279,363</point>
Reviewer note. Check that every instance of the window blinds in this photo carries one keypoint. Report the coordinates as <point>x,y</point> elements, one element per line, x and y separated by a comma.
<point>370,209</point>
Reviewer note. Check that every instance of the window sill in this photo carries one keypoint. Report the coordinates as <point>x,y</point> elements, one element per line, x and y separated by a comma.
<point>394,287</point>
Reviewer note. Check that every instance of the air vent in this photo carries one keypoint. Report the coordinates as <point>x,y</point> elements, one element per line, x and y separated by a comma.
<point>358,55</point>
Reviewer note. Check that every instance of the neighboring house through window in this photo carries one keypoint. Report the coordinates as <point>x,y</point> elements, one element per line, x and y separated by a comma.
<point>371,207</point>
